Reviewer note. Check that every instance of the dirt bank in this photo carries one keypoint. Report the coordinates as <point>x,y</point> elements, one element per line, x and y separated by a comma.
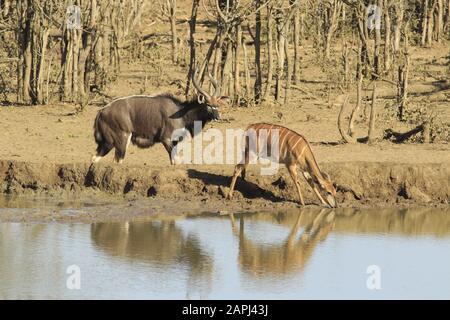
<point>359,183</point>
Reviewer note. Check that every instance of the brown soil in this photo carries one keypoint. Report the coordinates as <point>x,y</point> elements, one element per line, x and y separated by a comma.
<point>47,149</point>
<point>192,188</point>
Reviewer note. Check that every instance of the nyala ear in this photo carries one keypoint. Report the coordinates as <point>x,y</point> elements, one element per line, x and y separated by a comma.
<point>201,98</point>
<point>326,176</point>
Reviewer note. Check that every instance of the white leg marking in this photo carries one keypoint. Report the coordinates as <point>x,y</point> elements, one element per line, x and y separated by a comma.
<point>117,160</point>
<point>128,141</point>
<point>95,159</point>
<point>307,175</point>
<point>285,153</point>
<point>282,147</point>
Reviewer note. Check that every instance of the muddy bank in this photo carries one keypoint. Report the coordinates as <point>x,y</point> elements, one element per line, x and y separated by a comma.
<point>359,183</point>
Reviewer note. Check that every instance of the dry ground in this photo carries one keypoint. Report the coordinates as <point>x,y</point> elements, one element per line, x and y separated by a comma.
<point>57,134</point>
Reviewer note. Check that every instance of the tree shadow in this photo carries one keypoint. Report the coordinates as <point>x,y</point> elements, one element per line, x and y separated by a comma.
<point>327,143</point>
<point>440,85</point>
<point>400,137</point>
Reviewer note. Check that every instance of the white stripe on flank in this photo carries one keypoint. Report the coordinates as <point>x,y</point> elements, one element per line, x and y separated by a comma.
<point>282,147</point>
<point>287,144</point>
<point>301,153</point>
<point>132,96</point>
<point>269,137</point>
<point>269,134</point>
<point>284,138</point>
<point>300,138</point>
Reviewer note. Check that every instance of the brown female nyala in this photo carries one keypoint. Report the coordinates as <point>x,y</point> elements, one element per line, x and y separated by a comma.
<point>293,151</point>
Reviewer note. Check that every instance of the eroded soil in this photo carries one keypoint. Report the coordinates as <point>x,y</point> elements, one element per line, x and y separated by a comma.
<point>46,150</point>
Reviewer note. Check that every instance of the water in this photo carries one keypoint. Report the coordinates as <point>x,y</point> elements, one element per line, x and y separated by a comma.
<point>315,253</point>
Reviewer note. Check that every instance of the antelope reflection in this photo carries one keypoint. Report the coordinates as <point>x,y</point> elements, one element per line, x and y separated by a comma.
<point>157,242</point>
<point>293,253</point>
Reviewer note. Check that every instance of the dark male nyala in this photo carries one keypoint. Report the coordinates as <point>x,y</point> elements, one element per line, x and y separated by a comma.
<point>146,120</point>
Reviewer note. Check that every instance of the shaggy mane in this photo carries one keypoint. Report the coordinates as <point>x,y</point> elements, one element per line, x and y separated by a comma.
<point>191,101</point>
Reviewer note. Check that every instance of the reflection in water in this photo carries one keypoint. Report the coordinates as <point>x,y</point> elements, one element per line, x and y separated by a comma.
<point>157,242</point>
<point>31,255</point>
<point>308,253</point>
<point>401,222</point>
<point>291,254</point>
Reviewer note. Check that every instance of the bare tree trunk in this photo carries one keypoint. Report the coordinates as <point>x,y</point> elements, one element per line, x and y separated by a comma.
<point>258,76</point>
<point>399,14</point>
<point>226,73</point>
<point>447,17</point>
<point>49,69</point>
<point>373,114</point>
<point>439,20</point>
<point>331,24</point>
<point>41,66</point>
<point>20,60</point>
<point>376,52</point>
<point>359,82</point>
<point>429,37</point>
<point>85,53</point>
<point>387,37</point>
<point>192,24</point>
<point>76,55</point>
<point>296,43</point>
<point>101,55</point>
<point>302,25</point>
<point>351,126</point>
<point>172,7</point>
<point>342,129</point>
<point>27,55</point>
<point>424,22</point>
<point>280,23</point>
<point>67,62</point>
<point>269,25</point>
<point>237,54</point>
<point>363,37</point>
<point>288,65</point>
<point>218,57</point>
<point>403,74</point>
<point>247,70</point>
<point>20,35</point>
<point>346,65</point>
